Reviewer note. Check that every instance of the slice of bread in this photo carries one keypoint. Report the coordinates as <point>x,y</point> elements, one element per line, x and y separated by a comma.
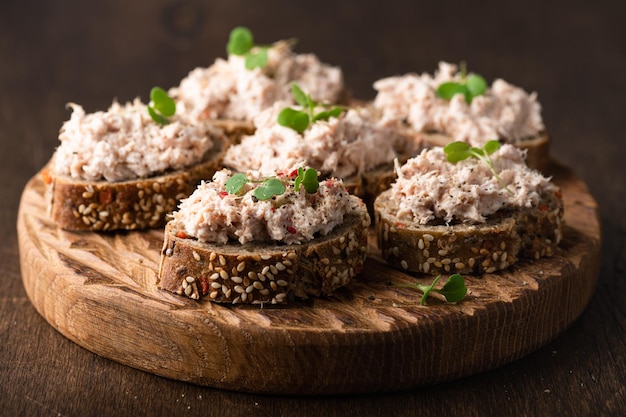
<point>142,203</point>
<point>257,273</point>
<point>502,240</point>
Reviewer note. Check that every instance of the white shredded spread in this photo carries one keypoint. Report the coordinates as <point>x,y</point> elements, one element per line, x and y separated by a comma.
<point>429,187</point>
<point>227,90</point>
<point>210,214</point>
<point>504,111</point>
<point>350,144</point>
<point>124,143</point>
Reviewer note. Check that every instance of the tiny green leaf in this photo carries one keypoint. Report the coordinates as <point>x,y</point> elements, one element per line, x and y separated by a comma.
<point>491,146</point>
<point>299,178</point>
<point>470,86</point>
<point>325,115</point>
<point>294,119</point>
<point>162,102</point>
<point>454,289</point>
<point>269,188</point>
<point>240,41</point>
<point>236,183</point>
<point>308,179</point>
<point>449,89</point>
<point>476,85</point>
<point>161,106</point>
<point>457,151</point>
<point>256,59</point>
<point>456,147</point>
<point>157,117</point>
<point>299,95</point>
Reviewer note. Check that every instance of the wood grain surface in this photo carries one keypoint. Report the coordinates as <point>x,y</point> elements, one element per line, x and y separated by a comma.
<point>100,291</point>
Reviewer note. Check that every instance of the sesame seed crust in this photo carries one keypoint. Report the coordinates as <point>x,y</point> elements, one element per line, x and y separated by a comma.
<point>260,273</point>
<point>468,249</point>
<point>126,205</point>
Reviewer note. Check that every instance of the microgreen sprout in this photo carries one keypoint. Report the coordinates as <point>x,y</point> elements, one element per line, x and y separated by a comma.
<point>308,179</point>
<point>241,42</point>
<point>458,151</point>
<point>272,186</point>
<point>454,289</point>
<point>470,86</point>
<point>161,106</point>
<point>300,120</point>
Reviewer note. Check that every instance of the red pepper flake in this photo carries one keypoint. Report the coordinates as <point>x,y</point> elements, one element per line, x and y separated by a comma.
<point>181,235</point>
<point>543,207</point>
<point>329,182</point>
<point>558,193</point>
<point>223,194</point>
<point>291,230</point>
<point>204,284</point>
<point>293,173</point>
<point>400,225</point>
<point>46,177</point>
<point>105,196</point>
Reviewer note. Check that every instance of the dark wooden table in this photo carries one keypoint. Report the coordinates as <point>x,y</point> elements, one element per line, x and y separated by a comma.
<point>572,53</point>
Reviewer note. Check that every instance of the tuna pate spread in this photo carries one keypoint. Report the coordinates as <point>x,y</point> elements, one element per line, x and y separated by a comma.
<point>124,143</point>
<point>347,145</point>
<point>429,188</point>
<point>503,112</point>
<point>227,90</point>
<point>211,214</point>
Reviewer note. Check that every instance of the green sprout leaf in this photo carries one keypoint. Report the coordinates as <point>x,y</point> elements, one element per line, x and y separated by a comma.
<point>300,120</point>
<point>458,151</point>
<point>491,146</point>
<point>470,86</point>
<point>269,188</point>
<point>476,85</point>
<point>300,96</point>
<point>294,119</point>
<point>236,183</point>
<point>308,179</point>
<point>240,41</point>
<point>454,290</point>
<point>272,186</point>
<point>449,89</point>
<point>256,59</point>
<point>325,115</point>
<point>161,106</point>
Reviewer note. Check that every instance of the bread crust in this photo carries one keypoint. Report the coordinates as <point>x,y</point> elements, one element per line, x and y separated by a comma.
<point>143,203</point>
<point>497,244</point>
<point>258,273</point>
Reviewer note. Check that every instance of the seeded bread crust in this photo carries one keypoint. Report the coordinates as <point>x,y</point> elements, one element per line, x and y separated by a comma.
<point>469,249</point>
<point>255,273</point>
<point>143,203</point>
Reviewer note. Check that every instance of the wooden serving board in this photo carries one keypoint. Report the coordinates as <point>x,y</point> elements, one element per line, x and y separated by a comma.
<point>99,290</point>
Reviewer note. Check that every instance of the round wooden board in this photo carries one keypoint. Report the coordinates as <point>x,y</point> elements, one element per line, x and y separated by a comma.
<point>99,290</point>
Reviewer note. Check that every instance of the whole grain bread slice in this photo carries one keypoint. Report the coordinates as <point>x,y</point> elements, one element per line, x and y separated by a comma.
<point>494,245</point>
<point>258,273</point>
<point>82,205</point>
